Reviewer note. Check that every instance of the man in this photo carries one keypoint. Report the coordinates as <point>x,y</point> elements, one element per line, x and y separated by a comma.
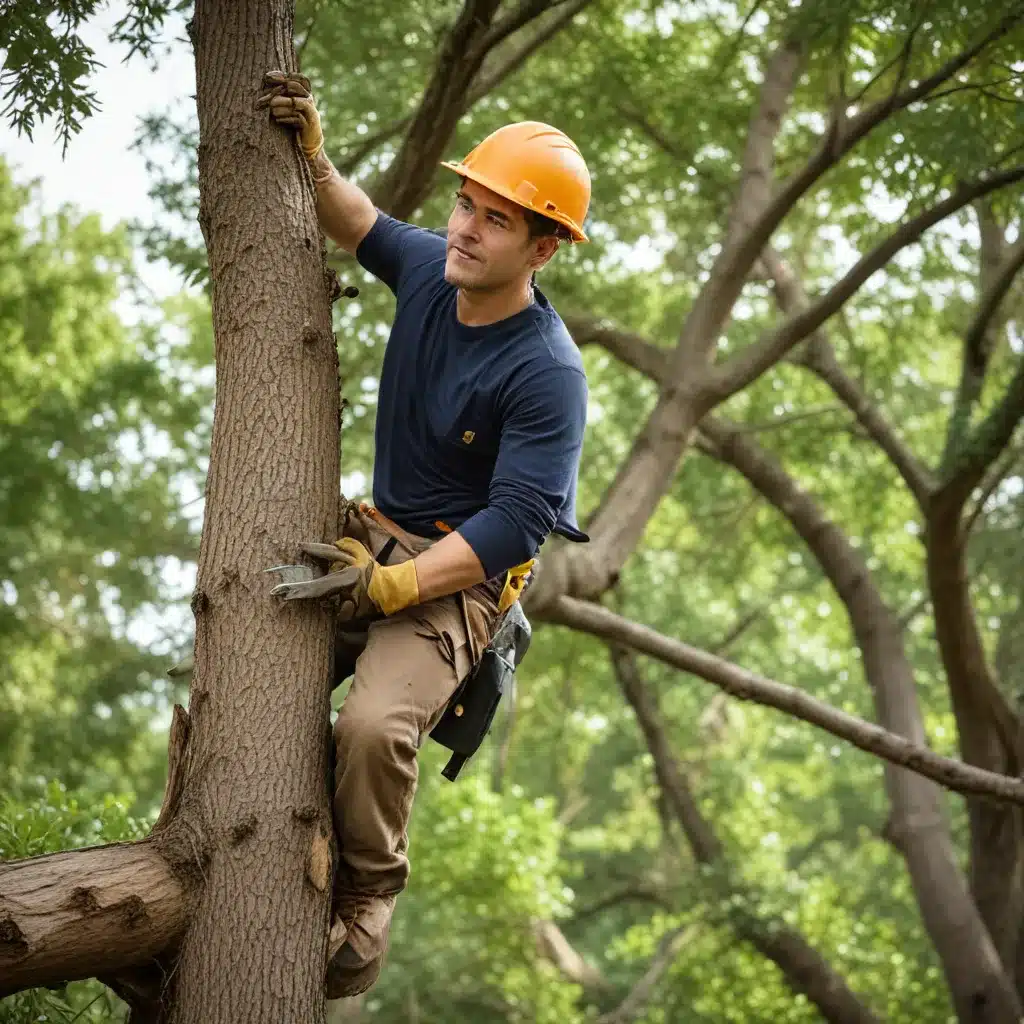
<point>480,422</point>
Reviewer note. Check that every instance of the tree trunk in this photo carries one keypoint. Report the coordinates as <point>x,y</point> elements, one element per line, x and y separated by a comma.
<point>996,832</point>
<point>254,790</point>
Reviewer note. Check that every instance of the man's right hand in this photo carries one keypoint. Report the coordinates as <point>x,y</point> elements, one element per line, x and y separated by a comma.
<point>290,101</point>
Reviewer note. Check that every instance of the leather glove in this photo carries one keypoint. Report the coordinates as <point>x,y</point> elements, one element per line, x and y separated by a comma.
<point>291,102</point>
<point>367,589</point>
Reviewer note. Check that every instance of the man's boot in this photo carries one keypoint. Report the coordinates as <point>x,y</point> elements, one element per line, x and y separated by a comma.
<point>361,924</point>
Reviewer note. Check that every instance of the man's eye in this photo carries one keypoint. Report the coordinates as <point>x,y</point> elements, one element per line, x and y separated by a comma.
<point>496,220</point>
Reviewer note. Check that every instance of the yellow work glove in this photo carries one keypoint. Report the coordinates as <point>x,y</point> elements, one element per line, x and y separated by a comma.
<point>374,587</point>
<point>291,103</point>
<point>515,584</point>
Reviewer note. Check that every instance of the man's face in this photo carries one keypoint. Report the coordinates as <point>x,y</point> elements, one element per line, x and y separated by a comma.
<point>489,244</point>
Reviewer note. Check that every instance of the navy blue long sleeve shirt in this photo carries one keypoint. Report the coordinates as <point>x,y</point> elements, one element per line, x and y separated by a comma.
<point>478,427</point>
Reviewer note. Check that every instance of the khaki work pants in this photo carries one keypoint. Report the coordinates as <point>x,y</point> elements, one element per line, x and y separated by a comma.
<point>407,666</point>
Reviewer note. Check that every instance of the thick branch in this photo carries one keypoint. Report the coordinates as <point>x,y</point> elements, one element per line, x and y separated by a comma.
<point>819,357</point>
<point>504,61</point>
<point>525,12</point>
<point>758,174</point>
<point>631,349</point>
<point>997,277</point>
<point>85,913</point>
<point>744,685</point>
<point>713,305</point>
<point>462,52</point>
<point>554,946</point>
<point>748,365</point>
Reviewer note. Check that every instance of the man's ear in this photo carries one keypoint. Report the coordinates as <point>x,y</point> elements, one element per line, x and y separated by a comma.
<point>546,248</point>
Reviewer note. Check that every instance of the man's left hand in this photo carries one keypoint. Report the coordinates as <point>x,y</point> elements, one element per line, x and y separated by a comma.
<point>367,589</point>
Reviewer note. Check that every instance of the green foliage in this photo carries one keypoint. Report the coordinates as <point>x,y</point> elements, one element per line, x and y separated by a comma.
<point>102,426</point>
<point>47,65</point>
<point>485,866</point>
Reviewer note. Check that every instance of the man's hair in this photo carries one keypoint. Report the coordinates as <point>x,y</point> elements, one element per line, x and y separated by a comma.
<point>542,227</point>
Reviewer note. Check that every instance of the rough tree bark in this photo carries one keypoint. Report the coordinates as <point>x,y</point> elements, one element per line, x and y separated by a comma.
<point>255,785</point>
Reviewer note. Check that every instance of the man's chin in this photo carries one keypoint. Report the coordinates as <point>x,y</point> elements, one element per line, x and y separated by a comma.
<point>460,276</point>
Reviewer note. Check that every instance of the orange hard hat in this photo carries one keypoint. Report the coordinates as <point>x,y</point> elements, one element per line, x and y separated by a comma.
<point>536,166</point>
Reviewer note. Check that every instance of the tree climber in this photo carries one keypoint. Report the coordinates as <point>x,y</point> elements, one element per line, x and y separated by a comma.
<point>480,421</point>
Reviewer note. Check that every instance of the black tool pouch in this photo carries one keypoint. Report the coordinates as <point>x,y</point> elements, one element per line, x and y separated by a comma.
<point>469,713</point>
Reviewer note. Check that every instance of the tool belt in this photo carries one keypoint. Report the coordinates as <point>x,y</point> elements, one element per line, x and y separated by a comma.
<point>470,711</point>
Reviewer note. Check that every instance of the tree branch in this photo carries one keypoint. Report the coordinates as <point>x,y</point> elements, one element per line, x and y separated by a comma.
<point>919,828</point>
<point>703,842</point>
<point>714,304</point>
<point>562,12</point>
<point>988,441</point>
<point>996,274</point>
<point>634,892</point>
<point>406,182</point>
<point>554,946</point>
<point>745,367</point>
<point>744,685</point>
<point>819,357</point>
<point>640,994</point>
<point>631,349</point>
<point>85,913</point>
<point>844,133</point>
<point>1004,465</point>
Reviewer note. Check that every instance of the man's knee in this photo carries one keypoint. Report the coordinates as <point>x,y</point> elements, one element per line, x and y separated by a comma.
<point>375,731</point>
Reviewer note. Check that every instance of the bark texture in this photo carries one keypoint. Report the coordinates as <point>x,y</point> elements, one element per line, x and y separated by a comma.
<point>88,912</point>
<point>254,792</point>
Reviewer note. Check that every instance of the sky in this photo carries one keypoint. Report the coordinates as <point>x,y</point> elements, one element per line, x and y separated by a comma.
<point>100,173</point>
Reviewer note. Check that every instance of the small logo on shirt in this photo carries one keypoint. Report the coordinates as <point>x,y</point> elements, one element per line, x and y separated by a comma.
<point>468,436</point>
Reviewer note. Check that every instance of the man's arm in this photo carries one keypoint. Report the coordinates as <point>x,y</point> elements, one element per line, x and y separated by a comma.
<point>345,212</point>
<point>446,567</point>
